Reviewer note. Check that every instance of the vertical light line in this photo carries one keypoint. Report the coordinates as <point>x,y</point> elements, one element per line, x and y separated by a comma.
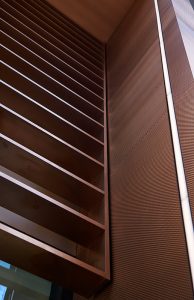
<point>106,172</point>
<point>184,198</point>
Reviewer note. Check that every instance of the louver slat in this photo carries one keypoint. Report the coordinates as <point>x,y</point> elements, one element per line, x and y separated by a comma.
<point>53,148</point>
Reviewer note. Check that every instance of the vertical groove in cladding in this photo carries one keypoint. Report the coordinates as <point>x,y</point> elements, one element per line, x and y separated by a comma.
<point>149,254</point>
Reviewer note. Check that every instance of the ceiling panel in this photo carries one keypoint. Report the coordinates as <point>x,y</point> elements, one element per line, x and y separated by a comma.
<point>98,17</point>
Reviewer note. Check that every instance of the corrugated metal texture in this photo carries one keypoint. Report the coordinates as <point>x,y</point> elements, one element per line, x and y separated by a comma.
<point>149,255</point>
<point>185,118</point>
<point>180,72</point>
<point>183,89</point>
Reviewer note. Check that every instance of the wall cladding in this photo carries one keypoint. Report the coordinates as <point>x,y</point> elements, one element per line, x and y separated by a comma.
<point>182,82</point>
<point>149,256</point>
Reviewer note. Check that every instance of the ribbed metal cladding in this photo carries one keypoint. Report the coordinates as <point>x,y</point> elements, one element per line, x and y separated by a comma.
<point>53,147</point>
<point>182,83</point>
<point>183,89</point>
<point>149,253</point>
<point>182,185</point>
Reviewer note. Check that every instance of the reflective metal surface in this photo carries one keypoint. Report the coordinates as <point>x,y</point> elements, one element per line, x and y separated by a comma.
<point>185,17</point>
<point>184,197</point>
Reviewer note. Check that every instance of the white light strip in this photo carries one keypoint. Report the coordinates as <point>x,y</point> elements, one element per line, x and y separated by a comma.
<point>47,75</point>
<point>46,90</point>
<point>59,117</point>
<point>51,135</point>
<point>27,185</point>
<point>53,37</point>
<point>37,103</point>
<point>47,62</point>
<point>184,198</point>
<point>51,54</point>
<point>54,165</point>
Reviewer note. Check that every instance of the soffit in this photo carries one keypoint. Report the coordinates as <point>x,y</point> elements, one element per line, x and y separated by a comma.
<point>98,17</point>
